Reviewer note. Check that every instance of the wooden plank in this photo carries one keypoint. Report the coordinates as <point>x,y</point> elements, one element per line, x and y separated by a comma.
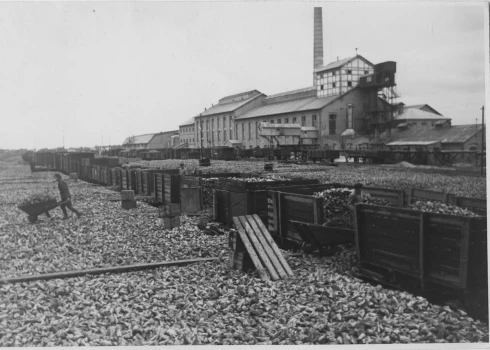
<point>259,248</point>
<point>267,247</point>
<point>273,245</point>
<point>358,231</point>
<point>422,250</point>
<point>243,235</point>
<point>397,236</point>
<point>465,244</point>
<point>98,271</point>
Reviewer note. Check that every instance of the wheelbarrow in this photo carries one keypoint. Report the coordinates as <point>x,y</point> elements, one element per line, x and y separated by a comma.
<point>36,209</point>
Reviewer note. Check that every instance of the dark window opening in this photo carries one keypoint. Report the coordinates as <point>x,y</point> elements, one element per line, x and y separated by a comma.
<point>349,83</point>
<point>321,87</point>
<point>333,84</point>
<point>349,71</point>
<point>332,124</point>
<point>303,121</point>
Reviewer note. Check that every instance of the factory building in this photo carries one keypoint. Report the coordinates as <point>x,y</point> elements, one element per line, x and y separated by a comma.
<point>162,140</point>
<point>351,102</point>
<point>137,142</point>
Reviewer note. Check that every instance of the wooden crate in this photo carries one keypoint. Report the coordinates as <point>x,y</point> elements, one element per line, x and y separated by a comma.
<point>124,179</point>
<point>227,204</point>
<point>434,251</point>
<point>243,186</point>
<point>132,180</point>
<point>169,210</point>
<point>159,187</point>
<point>297,203</point>
<point>171,188</point>
<point>476,205</point>
<point>190,181</point>
<point>413,195</point>
<point>139,182</point>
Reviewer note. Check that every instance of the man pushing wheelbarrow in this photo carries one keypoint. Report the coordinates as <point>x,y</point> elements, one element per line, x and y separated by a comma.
<point>65,197</point>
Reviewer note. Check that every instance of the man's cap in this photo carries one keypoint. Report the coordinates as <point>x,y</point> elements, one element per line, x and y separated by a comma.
<point>358,185</point>
<point>57,175</point>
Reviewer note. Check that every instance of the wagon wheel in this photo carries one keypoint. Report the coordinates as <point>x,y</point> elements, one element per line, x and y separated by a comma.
<point>32,218</point>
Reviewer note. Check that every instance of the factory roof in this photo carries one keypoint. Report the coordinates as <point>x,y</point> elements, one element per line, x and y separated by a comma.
<point>422,106</point>
<point>290,106</point>
<point>311,88</point>
<point>414,113</point>
<point>188,122</point>
<point>411,143</point>
<point>226,107</point>
<point>339,63</point>
<point>138,139</point>
<point>452,134</point>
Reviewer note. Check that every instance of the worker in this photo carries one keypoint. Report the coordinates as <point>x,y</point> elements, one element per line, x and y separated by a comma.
<point>65,197</point>
<point>183,170</point>
<point>355,196</point>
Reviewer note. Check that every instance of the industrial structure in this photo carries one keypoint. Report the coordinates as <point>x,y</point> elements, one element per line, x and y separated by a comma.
<point>352,103</point>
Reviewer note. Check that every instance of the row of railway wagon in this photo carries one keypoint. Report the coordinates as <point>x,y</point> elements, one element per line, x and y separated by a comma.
<point>300,152</point>
<point>422,252</point>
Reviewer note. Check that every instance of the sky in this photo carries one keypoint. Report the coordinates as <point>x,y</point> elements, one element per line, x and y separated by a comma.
<point>91,73</point>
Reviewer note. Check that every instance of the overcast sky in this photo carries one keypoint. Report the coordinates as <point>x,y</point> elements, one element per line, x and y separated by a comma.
<point>101,71</point>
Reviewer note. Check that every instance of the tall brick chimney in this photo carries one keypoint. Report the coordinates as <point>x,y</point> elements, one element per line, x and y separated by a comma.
<point>317,41</point>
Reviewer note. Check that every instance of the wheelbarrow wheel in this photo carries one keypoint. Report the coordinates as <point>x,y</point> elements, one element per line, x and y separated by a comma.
<point>32,218</point>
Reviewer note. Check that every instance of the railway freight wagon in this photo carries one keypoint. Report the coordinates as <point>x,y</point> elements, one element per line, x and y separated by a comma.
<point>320,154</point>
<point>237,197</point>
<point>428,252</point>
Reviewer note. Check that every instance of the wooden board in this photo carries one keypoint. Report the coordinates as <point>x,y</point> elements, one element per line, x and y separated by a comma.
<point>319,235</point>
<point>250,250</point>
<point>190,200</point>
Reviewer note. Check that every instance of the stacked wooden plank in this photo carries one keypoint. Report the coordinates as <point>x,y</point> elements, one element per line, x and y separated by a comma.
<point>253,241</point>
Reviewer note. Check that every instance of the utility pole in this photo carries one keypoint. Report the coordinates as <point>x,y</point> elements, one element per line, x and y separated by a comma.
<point>482,136</point>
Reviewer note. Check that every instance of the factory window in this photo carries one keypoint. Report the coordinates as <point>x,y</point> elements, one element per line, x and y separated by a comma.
<point>303,121</point>
<point>286,120</point>
<point>257,130</point>
<point>218,135</point>
<point>271,121</point>
<point>249,130</point>
<point>217,123</point>
<point>366,72</point>
<point>321,87</point>
<point>313,121</point>
<point>349,83</point>
<point>333,84</point>
<point>294,120</point>
<point>224,122</point>
<point>224,135</point>
<point>212,124</point>
<point>279,121</point>
<point>424,124</point>
<point>243,131</point>
<point>332,124</point>
<point>349,71</point>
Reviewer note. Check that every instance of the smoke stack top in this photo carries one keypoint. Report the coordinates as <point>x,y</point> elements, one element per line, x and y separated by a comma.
<point>317,38</point>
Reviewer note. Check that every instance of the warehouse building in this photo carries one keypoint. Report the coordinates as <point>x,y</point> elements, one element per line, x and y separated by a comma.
<point>187,134</point>
<point>137,142</point>
<point>162,140</point>
<point>442,136</point>
<point>216,125</point>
